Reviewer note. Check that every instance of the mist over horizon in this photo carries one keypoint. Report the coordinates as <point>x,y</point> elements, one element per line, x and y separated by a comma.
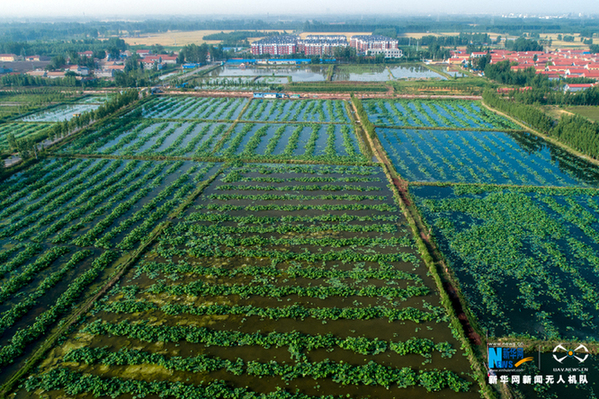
<point>113,9</point>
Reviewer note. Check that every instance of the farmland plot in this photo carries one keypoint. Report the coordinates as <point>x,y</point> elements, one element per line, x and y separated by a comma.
<point>58,201</point>
<point>277,279</point>
<point>297,111</point>
<point>194,108</point>
<point>288,141</point>
<point>526,259</point>
<point>517,158</point>
<point>62,224</point>
<point>434,113</point>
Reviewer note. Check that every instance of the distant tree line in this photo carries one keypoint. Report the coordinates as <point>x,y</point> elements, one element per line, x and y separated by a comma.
<point>64,47</point>
<point>44,31</point>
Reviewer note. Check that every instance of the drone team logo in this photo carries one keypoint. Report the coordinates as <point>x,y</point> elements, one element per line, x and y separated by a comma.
<point>581,350</point>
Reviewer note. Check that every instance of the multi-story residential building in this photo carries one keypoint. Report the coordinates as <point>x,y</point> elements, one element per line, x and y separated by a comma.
<point>321,44</point>
<point>276,45</point>
<point>363,43</point>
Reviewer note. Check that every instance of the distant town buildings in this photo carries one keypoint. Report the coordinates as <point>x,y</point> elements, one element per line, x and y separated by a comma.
<point>555,65</point>
<point>321,44</point>
<point>388,52</point>
<point>8,57</point>
<point>276,45</point>
<point>364,43</point>
<point>326,45</point>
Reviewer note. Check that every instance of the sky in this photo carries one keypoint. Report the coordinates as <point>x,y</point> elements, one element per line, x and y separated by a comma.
<point>45,8</point>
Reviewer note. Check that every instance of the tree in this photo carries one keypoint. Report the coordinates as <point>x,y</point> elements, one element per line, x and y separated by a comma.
<point>482,62</point>
<point>114,53</point>
<point>12,142</point>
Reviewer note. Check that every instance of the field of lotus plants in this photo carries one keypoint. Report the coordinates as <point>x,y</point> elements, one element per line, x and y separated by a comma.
<point>278,281</point>
<point>63,223</point>
<point>485,157</point>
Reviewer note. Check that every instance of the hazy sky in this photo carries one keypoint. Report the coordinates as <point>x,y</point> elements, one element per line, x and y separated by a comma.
<point>37,8</point>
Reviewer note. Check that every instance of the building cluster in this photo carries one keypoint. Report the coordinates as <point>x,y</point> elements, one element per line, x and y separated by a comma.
<point>276,45</point>
<point>367,45</point>
<point>321,44</point>
<point>106,68</point>
<point>556,65</point>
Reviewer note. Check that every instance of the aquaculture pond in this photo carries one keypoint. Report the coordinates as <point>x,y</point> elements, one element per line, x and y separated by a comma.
<point>414,72</point>
<point>362,73</point>
<point>519,158</point>
<point>526,259</point>
<point>293,281</point>
<point>434,113</point>
<point>60,113</point>
<point>301,73</point>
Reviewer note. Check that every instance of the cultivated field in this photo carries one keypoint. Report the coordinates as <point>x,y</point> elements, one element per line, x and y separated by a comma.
<point>276,277</point>
<point>289,280</point>
<point>178,38</point>
<point>517,222</point>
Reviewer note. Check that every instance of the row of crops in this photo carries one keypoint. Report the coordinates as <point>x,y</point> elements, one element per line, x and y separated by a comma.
<point>297,111</point>
<point>20,131</point>
<point>278,281</point>
<point>434,113</point>
<point>211,108</point>
<point>238,84</point>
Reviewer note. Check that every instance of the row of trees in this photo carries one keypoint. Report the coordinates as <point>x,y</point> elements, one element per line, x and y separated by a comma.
<point>28,147</point>
<point>64,47</point>
<point>574,131</point>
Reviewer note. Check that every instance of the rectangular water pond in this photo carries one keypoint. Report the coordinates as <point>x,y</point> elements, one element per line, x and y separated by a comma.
<point>60,113</point>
